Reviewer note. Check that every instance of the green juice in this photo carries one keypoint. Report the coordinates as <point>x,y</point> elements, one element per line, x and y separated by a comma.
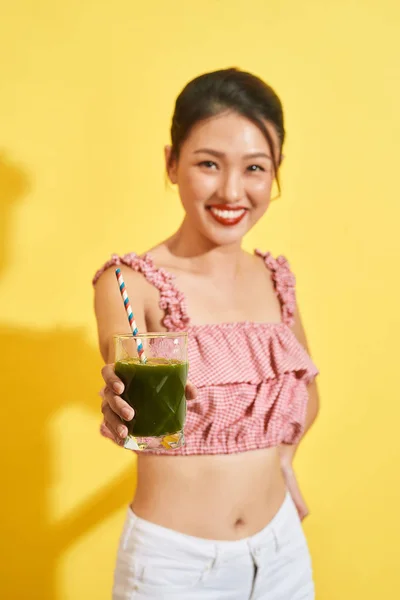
<point>156,392</point>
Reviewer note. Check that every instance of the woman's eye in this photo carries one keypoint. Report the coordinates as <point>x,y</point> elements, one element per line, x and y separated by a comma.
<point>209,164</point>
<point>255,168</point>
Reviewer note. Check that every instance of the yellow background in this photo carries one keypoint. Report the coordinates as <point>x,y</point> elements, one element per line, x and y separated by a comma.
<point>86,94</point>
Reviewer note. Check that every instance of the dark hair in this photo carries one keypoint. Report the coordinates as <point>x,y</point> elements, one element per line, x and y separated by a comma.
<point>227,89</point>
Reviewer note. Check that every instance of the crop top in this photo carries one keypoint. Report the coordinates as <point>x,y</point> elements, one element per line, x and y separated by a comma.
<point>251,378</point>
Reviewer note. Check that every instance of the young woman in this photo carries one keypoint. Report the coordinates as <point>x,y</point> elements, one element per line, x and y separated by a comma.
<point>219,518</point>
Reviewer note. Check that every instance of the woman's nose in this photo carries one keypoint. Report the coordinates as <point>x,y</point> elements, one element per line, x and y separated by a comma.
<point>231,188</point>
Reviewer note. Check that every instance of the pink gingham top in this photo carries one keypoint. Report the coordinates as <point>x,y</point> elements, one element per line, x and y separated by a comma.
<point>251,377</point>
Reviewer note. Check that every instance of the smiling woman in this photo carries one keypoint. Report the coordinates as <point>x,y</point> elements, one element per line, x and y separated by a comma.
<point>225,166</point>
<point>231,214</point>
<point>227,134</point>
<point>255,393</point>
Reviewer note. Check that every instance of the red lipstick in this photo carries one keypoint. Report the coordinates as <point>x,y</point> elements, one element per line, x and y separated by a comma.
<point>227,215</point>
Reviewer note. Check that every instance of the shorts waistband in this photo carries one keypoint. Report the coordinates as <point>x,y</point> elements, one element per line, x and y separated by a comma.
<point>150,534</point>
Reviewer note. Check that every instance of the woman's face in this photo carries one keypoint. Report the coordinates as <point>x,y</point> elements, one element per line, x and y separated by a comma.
<point>224,174</point>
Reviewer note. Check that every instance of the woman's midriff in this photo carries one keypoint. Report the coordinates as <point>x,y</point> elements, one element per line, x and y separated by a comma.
<point>222,497</point>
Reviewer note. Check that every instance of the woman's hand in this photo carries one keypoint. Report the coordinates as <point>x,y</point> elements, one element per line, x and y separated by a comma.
<point>114,408</point>
<point>286,455</point>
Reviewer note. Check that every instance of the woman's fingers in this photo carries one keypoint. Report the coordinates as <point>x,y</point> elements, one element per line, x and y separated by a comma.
<point>190,391</point>
<point>114,424</point>
<point>294,490</point>
<point>105,432</point>
<point>113,407</point>
<point>118,405</point>
<point>111,380</point>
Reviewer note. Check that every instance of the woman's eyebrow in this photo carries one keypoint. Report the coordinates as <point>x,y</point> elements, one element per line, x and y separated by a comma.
<point>221,154</point>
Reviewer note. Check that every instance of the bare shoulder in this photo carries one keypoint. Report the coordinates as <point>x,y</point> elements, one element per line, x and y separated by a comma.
<point>108,280</point>
<point>257,269</point>
<point>253,261</point>
<point>133,268</point>
<point>109,308</point>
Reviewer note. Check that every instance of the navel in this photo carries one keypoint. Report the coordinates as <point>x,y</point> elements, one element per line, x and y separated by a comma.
<point>239,523</point>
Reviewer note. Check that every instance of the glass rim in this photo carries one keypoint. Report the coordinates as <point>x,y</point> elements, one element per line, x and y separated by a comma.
<point>150,334</point>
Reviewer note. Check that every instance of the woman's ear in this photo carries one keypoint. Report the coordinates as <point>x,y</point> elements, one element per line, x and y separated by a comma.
<point>170,164</point>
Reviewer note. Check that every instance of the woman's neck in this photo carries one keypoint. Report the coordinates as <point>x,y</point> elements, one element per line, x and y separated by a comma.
<point>202,256</point>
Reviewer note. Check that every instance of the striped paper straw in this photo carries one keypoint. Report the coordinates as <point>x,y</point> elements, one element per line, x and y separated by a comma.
<point>129,312</point>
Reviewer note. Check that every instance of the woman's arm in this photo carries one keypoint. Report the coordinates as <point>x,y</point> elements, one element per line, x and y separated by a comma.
<point>313,397</point>
<point>112,319</point>
<point>287,452</point>
<point>109,307</point>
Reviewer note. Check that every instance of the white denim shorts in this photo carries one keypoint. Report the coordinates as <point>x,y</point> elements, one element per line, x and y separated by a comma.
<point>154,562</point>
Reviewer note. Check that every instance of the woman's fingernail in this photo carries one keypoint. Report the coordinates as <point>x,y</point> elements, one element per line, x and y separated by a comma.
<point>118,387</point>
<point>122,431</point>
<point>127,414</point>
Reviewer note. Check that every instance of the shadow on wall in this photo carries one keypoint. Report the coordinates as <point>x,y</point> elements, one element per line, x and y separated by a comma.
<point>14,185</point>
<point>43,372</point>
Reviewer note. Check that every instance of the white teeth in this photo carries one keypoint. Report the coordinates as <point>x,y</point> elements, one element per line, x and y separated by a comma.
<point>227,214</point>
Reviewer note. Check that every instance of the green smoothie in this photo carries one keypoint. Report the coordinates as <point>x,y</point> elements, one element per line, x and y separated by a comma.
<point>156,392</point>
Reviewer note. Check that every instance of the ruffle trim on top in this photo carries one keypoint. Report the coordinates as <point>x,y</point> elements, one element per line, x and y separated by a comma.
<point>172,301</point>
<point>246,353</point>
<point>285,284</point>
